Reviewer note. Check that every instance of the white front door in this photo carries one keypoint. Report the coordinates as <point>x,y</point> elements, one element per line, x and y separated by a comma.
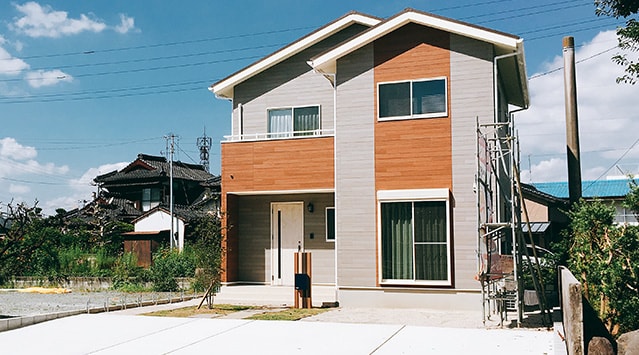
<point>287,235</point>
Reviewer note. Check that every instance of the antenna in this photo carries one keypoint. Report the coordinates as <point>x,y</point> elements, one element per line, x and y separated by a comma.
<point>204,145</point>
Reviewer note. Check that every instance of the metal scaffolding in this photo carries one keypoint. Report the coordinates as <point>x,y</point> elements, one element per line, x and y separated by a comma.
<point>501,243</point>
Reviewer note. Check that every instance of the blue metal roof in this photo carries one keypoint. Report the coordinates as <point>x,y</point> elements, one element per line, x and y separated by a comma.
<point>589,189</point>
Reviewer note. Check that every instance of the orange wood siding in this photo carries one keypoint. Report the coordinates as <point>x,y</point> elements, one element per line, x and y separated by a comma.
<point>230,242</point>
<point>275,165</point>
<point>413,153</point>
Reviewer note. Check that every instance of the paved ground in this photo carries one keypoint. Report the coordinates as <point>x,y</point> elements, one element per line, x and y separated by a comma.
<point>339,331</point>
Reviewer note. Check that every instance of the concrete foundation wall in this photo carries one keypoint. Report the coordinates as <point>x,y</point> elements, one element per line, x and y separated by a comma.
<point>410,298</point>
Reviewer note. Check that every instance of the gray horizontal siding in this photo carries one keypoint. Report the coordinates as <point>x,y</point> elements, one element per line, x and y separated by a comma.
<point>255,236</point>
<point>471,98</point>
<point>287,84</point>
<point>355,166</point>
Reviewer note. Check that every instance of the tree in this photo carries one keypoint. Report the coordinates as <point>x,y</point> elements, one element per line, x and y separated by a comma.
<point>605,257</point>
<point>628,35</point>
<point>23,234</point>
<point>208,254</point>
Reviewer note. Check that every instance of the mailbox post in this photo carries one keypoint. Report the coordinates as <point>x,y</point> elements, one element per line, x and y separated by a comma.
<point>303,280</point>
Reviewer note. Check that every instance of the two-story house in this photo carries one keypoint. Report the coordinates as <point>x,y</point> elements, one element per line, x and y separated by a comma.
<point>140,193</point>
<point>358,143</point>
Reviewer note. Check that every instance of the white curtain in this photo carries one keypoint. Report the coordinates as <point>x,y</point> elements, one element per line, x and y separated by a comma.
<point>280,123</point>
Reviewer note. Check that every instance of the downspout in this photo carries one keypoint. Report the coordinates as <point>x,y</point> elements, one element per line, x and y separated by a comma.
<point>332,78</point>
<point>334,82</point>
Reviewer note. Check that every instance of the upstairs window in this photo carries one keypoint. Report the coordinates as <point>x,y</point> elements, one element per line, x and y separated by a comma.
<point>150,198</point>
<point>293,121</point>
<point>413,99</point>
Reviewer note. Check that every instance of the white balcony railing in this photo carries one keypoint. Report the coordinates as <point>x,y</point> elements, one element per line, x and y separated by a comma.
<point>280,135</point>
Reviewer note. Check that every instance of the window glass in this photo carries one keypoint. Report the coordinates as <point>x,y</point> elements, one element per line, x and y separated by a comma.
<point>305,119</point>
<point>150,198</point>
<point>414,241</point>
<point>429,97</point>
<point>298,121</point>
<point>397,241</point>
<point>330,223</point>
<point>424,98</point>
<point>394,99</point>
<point>280,123</point>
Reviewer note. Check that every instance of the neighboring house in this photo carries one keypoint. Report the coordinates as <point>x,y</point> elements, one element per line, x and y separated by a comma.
<point>612,191</point>
<point>145,182</point>
<point>546,216</point>
<point>358,144</point>
<point>154,226</point>
<point>140,194</point>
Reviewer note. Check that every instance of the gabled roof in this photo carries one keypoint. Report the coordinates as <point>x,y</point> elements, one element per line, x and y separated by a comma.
<point>224,87</point>
<point>147,167</point>
<point>589,189</point>
<point>503,43</point>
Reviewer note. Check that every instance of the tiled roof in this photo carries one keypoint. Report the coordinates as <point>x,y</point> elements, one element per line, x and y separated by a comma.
<point>589,189</point>
<point>147,167</point>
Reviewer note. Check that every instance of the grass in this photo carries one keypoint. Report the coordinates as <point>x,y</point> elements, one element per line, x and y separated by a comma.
<point>219,309</point>
<point>290,314</point>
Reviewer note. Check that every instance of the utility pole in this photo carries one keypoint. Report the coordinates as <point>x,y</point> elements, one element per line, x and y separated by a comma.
<point>572,126</point>
<point>170,141</point>
<point>204,145</point>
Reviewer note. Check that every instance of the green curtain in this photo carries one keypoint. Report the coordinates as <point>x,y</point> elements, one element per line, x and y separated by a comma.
<point>397,241</point>
<point>431,252</point>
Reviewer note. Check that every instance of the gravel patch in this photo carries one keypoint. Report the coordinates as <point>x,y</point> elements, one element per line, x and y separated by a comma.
<point>28,304</point>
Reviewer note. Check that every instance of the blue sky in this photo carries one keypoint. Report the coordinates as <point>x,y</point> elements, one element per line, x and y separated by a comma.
<point>87,85</point>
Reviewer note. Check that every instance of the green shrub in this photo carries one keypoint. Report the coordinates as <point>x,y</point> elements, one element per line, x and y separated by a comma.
<point>127,273</point>
<point>169,264</point>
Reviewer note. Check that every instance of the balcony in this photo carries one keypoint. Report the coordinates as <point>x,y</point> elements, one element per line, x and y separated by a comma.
<point>280,135</point>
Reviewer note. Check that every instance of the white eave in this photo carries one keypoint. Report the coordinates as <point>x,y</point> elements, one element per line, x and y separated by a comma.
<point>504,43</point>
<point>224,88</point>
<point>325,62</point>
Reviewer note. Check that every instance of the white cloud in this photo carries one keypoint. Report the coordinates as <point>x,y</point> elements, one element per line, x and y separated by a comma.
<point>10,148</point>
<point>126,25</point>
<point>40,78</point>
<point>19,189</point>
<point>608,119</point>
<point>546,170</point>
<point>10,65</point>
<point>87,178</point>
<point>43,21</point>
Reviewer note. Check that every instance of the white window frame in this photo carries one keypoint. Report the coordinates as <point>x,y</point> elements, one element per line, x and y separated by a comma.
<point>292,133</point>
<point>334,224</point>
<point>414,195</point>
<point>412,116</point>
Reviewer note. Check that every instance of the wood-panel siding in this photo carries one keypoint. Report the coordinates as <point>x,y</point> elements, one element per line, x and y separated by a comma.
<point>276,165</point>
<point>413,153</point>
<point>471,99</point>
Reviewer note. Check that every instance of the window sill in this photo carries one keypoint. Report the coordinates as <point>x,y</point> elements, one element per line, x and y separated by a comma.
<point>412,283</point>
<point>416,117</point>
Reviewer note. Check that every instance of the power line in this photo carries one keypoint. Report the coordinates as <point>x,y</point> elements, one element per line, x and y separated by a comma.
<point>160,45</point>
<point>613,164</point>
<point>576,62</point>
<point>139,70</point>
<point>144,60</point>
